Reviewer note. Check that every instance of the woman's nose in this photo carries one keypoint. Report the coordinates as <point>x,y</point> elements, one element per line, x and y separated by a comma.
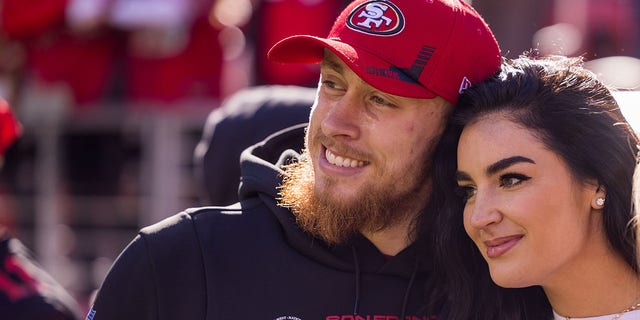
<point>483,211</point>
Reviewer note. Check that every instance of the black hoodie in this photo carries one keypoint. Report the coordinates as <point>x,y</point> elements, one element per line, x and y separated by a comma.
<point>27,291</point>
<point>251,261</point>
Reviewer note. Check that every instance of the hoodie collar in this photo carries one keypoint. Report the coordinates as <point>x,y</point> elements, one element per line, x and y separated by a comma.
<point>262,173</point>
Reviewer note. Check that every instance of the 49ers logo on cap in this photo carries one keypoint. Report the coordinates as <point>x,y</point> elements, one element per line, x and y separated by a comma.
<point>377,18</point>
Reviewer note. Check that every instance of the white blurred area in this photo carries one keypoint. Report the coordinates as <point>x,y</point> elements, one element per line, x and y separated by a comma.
<point>629,102</point>
<point>622,75</point>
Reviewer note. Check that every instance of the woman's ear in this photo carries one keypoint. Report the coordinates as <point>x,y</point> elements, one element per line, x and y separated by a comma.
<point>599,199</point>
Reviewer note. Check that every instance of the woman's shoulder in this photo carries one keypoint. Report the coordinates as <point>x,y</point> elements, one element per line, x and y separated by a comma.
<point>630,315</point>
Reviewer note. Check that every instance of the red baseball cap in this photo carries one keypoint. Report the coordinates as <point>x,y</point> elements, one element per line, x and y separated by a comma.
<point>10,128</point>
<point>409,48</point>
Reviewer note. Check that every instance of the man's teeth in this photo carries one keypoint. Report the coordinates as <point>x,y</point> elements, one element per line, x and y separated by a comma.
<point>342,161</point>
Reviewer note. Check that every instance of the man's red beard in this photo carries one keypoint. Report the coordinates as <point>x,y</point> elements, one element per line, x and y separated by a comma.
<point>377,208</point>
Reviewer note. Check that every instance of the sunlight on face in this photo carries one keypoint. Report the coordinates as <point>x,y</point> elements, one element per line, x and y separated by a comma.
<point>529,217</point>
<point>362,140</point>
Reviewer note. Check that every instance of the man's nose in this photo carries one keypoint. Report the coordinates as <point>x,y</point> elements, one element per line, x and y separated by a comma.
<point>342,119</point>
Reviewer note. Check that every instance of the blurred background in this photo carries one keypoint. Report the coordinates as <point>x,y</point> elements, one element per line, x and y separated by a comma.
<point>113,96</point>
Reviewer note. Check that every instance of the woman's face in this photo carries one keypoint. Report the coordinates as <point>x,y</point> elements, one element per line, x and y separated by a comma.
<point>530,218</point>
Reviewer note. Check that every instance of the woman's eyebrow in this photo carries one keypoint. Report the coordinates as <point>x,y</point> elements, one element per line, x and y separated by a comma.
<point>462,176</point>
<point>505,163</point>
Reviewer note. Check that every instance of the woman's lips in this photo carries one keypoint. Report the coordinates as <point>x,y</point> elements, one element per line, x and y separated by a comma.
<point>499,246</point>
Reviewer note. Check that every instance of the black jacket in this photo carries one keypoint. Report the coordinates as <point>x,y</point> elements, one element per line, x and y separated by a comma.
<point>251,261</point>
<point>27,291</point>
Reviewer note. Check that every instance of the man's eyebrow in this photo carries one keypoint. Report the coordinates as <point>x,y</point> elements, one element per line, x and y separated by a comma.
<point>331,64</point>
<point>505,163</point>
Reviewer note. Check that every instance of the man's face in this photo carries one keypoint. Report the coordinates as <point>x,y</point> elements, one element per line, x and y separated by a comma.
<point>368,153</point>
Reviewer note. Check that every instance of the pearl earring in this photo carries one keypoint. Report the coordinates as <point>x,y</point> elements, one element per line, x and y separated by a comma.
<point>600,202</point>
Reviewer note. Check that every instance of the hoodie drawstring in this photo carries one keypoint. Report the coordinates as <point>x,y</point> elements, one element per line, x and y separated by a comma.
<point>407,293</point>
<point>356,304</point>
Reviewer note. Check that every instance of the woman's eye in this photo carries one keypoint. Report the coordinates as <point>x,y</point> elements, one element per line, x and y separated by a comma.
<point>512,180</point>
<point>465,192</point>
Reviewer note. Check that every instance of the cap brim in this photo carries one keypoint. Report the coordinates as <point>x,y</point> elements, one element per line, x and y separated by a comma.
<point>310,49</point>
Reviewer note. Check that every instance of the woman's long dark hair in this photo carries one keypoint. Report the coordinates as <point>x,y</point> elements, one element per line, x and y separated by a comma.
<point>575,116</point>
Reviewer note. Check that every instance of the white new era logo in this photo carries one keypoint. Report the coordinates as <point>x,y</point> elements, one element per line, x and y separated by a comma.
<point>464,85</point>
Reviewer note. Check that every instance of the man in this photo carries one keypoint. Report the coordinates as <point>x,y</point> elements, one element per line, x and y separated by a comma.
<point>333,240</point>
<point>27,291</point>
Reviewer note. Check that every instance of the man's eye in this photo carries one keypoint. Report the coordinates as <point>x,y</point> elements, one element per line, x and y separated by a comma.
<point>329,84</point>
<point>378,100</point>
<point>332,82</point>
<point>381,101</point>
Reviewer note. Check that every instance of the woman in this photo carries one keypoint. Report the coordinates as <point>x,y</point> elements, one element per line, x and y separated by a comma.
<point>541,226</point>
